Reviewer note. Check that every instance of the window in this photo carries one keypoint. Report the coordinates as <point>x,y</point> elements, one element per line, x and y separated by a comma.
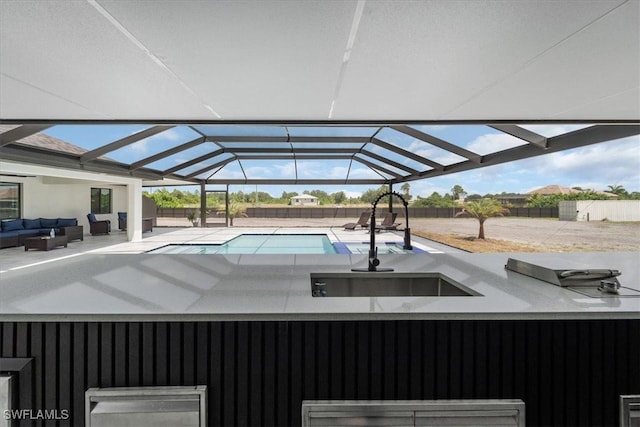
<point>100,200</point>
<point>10,194</point>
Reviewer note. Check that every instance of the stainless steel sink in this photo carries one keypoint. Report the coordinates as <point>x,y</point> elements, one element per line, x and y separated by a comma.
<point>390,284</point>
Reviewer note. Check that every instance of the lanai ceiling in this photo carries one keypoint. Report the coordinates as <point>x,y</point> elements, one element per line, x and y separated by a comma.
<point>367,84</point>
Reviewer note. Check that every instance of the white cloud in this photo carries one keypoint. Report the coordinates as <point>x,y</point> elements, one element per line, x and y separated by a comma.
<point>362,173</point>
<point>139,147</point>
<point>442,157</point>
<point>180,160</point>
<point>287,170</point>
<point>257,172</point>
<point>595,166</point>
<point>416,145</point>
<point>324,170</point>
<point>337,172</point>
<point>433,153</point>
<point>553,130</point>
<point>321,170</point>
<point>493,142</point>
<point>352,194</point>
<point>425,188</point>
<point>610,163</point>
<point>227,173</point>
<point>432,128</point>
<point>142,146</point>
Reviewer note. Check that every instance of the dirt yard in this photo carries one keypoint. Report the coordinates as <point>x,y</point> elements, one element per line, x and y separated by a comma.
<point>503,234</point>
<point>532,234</point>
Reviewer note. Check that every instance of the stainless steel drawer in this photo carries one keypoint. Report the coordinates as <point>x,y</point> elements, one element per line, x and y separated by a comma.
<point>468,418</point>
<point>146,406</point>
<point>360,418</point>
<point>630,411</point>
<point>484,412</point>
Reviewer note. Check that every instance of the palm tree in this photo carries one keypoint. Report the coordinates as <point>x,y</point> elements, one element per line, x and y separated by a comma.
<point>405,188</point>
<point>457,192</point>
<point>617,189</point>
<point>236,210</point>
<point>193,217</point>
<point>482,210</point>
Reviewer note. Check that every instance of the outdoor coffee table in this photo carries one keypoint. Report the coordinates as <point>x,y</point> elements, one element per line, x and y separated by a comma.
<point>44,243</point>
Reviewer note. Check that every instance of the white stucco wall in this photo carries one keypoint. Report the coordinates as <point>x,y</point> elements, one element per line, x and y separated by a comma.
<point>598,210</point>
<point>57,193</point>
<point>44,197</point>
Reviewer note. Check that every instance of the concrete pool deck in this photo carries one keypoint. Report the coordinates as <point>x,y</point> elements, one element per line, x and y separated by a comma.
<point>550,233</point>
<point>116,242</point>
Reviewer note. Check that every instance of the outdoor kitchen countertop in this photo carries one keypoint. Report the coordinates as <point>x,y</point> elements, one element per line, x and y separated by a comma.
<point>121,287</point>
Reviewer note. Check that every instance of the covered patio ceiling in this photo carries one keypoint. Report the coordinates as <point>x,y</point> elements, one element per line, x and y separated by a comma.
<point>217,91</point>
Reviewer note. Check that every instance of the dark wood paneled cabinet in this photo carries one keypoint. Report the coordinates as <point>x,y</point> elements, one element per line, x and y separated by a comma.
<point>568,372</point>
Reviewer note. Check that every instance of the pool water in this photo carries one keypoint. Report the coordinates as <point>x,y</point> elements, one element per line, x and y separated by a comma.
<point>383,248</point>
<point>258,244</point>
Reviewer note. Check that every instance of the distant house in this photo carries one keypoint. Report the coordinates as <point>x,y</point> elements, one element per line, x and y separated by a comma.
<point>304,200</point>
<point>557,189</point>
<point>554,189</point>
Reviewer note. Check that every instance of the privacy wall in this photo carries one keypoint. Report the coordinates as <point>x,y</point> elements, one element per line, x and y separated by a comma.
<point>600,210</point>
<point>353,213</point>
<point>568,372</point>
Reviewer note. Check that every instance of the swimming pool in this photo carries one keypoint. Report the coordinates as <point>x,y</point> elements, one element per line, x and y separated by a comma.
<point>282,244</point>
<point>258,244</point>
<point>383,248</point>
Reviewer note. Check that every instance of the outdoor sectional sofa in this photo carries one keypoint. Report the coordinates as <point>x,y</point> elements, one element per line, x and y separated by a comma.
<point>13,232</point>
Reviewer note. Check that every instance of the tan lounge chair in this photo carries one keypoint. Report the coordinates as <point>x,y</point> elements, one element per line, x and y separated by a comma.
<point>388,223</point>
<point>363,222</point>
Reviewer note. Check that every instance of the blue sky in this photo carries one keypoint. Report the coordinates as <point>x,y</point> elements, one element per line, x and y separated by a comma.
<point>596,166</point>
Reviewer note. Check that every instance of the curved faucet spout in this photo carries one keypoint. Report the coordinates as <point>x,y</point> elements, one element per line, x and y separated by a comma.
<point>374,262</point>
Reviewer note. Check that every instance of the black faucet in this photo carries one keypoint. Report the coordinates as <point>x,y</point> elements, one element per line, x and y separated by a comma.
<point>374,262</point>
